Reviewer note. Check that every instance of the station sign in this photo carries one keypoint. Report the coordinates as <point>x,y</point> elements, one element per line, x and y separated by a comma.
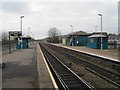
<point>15,33</point>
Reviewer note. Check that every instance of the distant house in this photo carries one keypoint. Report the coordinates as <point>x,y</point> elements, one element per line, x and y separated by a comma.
<point>114,40</point>
<point>63,39</point>
<point>103,33</point>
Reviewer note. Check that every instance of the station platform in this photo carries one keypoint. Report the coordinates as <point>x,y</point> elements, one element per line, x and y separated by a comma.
<point>96,52</point>
<point>26,68</point>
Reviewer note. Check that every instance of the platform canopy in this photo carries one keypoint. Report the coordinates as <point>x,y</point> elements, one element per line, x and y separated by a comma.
<point>79,33</point>
<point>97,35</point>
<point>24,37</point>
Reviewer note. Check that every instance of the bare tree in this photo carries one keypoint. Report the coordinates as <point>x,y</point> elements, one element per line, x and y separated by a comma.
<point>5,38</point>
<point>53,34</point>
<point>4,35</point>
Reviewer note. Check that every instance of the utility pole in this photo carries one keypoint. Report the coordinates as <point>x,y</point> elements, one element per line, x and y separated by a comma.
<point>29,31</point>
<point>101,31</point>
<point>9,44</point>
<point>21,31</point>
<point>96,29</point>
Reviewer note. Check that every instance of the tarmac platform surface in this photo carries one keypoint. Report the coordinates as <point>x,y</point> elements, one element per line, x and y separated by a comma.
<point>26,68</point>
<point>21,69</point>
<point>97,52</point>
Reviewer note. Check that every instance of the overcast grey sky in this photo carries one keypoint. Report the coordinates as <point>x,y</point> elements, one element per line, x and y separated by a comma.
<point>40,16</point>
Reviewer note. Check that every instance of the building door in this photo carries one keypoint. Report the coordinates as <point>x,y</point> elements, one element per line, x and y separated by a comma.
<point>24,43</point>
<point>98,43</point>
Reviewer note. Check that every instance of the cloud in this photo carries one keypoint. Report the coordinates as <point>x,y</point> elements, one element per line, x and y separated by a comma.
<point>119,17</point>
<point>15,7</point>
<point>40,16</point>
<point>61,0</point>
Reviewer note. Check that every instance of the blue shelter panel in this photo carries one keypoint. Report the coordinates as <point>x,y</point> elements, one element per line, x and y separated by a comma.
<point>105,43</point>
<point>24,43</point>
<point>91,43</point>
<point>68,42</point>
<point>94,41</point>
<point>81,41</point>
<point>18,45</point>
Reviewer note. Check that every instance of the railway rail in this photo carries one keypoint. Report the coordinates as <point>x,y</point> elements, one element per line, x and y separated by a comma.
<point>67,78</point>
<point>107,75</point>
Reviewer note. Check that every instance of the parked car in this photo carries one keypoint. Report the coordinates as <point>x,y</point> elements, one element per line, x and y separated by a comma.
<point>112,42</point>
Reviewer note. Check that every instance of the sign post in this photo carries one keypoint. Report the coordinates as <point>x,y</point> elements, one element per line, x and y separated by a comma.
<point>15,34</point>
<point>9,44</point>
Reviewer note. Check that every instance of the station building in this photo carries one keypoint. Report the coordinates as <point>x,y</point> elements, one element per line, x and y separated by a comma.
<point>78,38</point>
<point>90,40</point>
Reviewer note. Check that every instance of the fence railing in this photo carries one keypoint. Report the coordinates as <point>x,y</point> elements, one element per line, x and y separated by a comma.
<point>117,46</point>
<point>5,47</point>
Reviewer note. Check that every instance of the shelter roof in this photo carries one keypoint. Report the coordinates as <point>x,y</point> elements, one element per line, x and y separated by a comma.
<point>96,35</point>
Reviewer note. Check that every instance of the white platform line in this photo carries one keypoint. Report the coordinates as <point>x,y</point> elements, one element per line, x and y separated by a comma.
<point>89,53</point>
<point>94,54</point>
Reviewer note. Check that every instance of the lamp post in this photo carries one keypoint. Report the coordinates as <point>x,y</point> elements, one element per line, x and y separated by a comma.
<point>72,33</point>
<point>21,31</point>
<point>29,32</point>
<point>101,29</point>
<point>96,29</point>
<point>32,34</point>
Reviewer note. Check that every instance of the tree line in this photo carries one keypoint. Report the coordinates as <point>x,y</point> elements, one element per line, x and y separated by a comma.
<point>5,38</point>
<point>53,35</point>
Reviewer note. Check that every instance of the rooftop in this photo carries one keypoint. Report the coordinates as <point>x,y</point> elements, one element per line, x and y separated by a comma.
<point>78,33</point>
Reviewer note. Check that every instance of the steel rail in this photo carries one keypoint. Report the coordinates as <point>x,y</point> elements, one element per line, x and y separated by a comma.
<point>63,73</point>
<point>113,78</point>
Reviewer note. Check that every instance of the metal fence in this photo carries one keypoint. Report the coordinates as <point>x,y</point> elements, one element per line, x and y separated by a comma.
<point>114,46</point>
<point>5,47</point>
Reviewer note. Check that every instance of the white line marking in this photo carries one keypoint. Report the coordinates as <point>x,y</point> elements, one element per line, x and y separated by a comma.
<point>88,53</point>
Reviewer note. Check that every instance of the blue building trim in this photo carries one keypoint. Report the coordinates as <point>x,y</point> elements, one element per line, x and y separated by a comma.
<point>81,41</point>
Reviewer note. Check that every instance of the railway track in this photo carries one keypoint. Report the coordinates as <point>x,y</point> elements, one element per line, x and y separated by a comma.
<point>107,75</point>
<point>67,78</point>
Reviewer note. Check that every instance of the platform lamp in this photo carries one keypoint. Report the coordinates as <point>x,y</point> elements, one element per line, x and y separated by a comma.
<point>21,31</point>
<point>101,29</point>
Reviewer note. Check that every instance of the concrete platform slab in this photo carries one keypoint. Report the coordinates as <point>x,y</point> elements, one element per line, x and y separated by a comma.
<point>100,53</point>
